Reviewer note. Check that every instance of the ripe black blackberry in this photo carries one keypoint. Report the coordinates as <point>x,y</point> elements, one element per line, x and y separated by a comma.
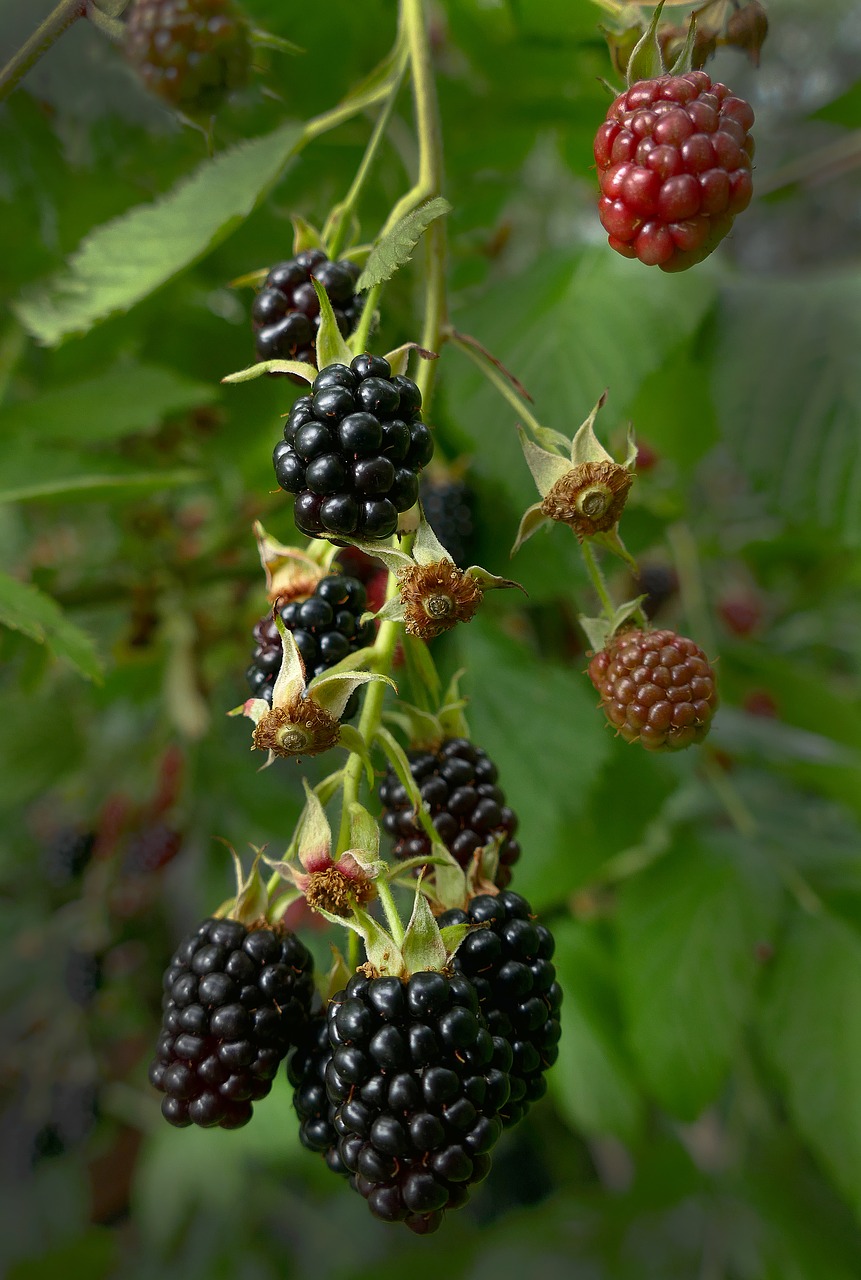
<point>191,53</point>
<point>326,629</point>
<point>509,963</point>
<point>306,1071</point>
<point>236,998</point>
<point>353,449</point>
<point>448,507</point>
<point>72,1114</point>
<point>458,785</point>
<point>67,855</point>
<point>417,1082</point>
<point>286,312</point>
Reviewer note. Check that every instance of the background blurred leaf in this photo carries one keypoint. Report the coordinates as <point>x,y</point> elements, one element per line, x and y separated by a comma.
<point>27,609</point>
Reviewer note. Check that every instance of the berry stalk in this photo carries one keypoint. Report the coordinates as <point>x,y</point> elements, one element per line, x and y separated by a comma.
<point>46,34</point>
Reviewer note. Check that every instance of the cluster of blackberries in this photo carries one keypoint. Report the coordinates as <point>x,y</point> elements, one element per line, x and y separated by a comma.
<point>326,629</point>
<point>286,311</point>
<point>405,1087</point>
<point>458,783</point>
<point>448,508</point>
<point>235,1001</point>
<point>353,449</point>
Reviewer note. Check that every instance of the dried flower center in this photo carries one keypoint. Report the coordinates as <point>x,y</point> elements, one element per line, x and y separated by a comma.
<point>438,606</point>
<point>301,727</point>
<point>594,501</point>
<point>590,498</point>
<point>292,738</point>
<point>436,596</point>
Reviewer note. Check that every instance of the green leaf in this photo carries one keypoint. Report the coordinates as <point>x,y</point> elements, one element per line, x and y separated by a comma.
<point>594,1081</point>
<point>811,1032</point>
<point>24,608</point>
<point>127,398</point>
<point>125,260</point>
<point>397,247</point>
<point>108,479</point>
<point>791,416</point>
<point>688,928</point>
<point>538,721</point>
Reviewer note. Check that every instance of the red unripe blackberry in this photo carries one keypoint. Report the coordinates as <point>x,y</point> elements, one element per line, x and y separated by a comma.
<point>191,53</point>
<point>417,1081</point>
<point>326,629</point>
<point>657,688</point>
<point>150,849</point>
<point>286,311</point>
<point>235,1000</point>
<point>458,783</point>
<point>448,507</point>
<point>674,163</point>
<point>353,449</point>
<point>509,963</point>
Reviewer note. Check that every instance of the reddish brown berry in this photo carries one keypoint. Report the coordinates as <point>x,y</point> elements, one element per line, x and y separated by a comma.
<point>657,688</point>
<point>674,159</point>
<point>191,53</point>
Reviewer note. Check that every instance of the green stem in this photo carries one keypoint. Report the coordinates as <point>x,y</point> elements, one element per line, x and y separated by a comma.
<point>45,35</point>
<point>684,549</point>
<point>352,949</point>
<point>393,920</point>
<point>498,380</point>
<point>597,579</point>
<point>348,204</point>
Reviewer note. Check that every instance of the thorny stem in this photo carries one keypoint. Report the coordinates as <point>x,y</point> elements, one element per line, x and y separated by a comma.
<point>597,579</point>
<point>46,34</point>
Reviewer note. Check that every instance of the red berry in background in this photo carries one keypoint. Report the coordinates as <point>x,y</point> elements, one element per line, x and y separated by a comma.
<point>674,163</point>
<point>657,688</point>
<point>191,53</point>
<point>741,614</point>
<point>759,702</point>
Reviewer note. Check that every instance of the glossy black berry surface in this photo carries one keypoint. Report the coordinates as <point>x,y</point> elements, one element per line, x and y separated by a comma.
<point>326,629</point>
<point>235,1001</point>
<point>416,1082</point>
<point>306,1071</point>
<point>286,312</point>
<point>459,786</point>
<point>509,961</point>
<point>353,449</point>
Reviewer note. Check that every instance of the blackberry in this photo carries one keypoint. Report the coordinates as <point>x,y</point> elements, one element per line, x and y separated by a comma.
<point>353,449</point>
<point>67,856</point>
<point>306,1071</point>
<point>72,1115</point>
<point>659,583</point>
<point>509,963</point>
<point>83,976</point>
<point>448,506</point>
<point>286,312</point>
<point>458,785</point>
<point>191,53</point>
<point>235,1000</point>
<point>657,688</point>
<point>417,1082</point>
<point>326,628</point>
<point>674,162</point>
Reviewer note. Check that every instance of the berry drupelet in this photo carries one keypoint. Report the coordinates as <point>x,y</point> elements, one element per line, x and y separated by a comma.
<point>191,53</point>
<point>657,688</point>
<point>448,507</point>
<point>306,1071</point>
<point>674,163</point>
<point>509,963</point>
<point>417,1082</point>
<point>353,449</point>
<point>286,311</point>
<point>235,1000</point>
<point>326,629</point>
<point>458,783</point>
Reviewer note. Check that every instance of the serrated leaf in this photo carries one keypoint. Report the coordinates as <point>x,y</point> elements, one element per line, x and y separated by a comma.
<point>811,1032</point>
<point>127,259</point>
<point>127,398</point>
<point>688,928</point>
<point>25,608</point>
<point>396,248</point>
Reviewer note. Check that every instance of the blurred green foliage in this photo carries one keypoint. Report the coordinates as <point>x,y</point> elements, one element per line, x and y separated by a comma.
<point>704,1118</point>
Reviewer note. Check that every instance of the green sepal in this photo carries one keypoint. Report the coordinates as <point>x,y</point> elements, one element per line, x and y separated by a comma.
<point>394,610</point>
<point>337,976</point>
<point>532,520</point>
<point>332,693</point>
<point>612,542</point>
<point>251,901</point>
<point>451,714</point>
<point>423,947</point>
<point>364,833</point>
<point>427,548</point>
<point>315,834</point>
<point>685,61</point>
<point>547,468</point>
<point>454,934</point>
<point>394,560</point>
<point>305,236</point>
<point>282,905</point>
<point>585,446</point>
<point>399,358</point>
<point>646,62</point>
<point>260,39</point>
<point>599,631</point>
<point>353,741</point>
<point>380,947</point>
<point>305,371</point>
<point>421,668</point>
<point>491,581</point>
<point>421,728</point>
<point>330,346</point>
<point>249,278</point>
<point>290,680</point>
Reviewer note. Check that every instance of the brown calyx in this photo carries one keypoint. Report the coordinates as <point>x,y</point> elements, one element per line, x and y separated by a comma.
<point>298,728</point>
<point>436,597</point>
<point>590,497</point>
<point>332,891</point>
